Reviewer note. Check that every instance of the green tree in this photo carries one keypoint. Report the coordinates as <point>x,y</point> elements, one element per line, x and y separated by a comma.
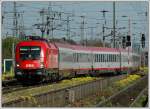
<point>7,46</point>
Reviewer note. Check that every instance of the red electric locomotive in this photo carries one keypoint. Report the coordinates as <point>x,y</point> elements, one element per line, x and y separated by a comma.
<point>35,60</point>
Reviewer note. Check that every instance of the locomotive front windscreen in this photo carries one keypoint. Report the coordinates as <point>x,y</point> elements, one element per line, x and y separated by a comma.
<point>30,52</point>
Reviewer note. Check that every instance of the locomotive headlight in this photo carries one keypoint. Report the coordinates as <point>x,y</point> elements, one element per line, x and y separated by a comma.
<point>41,65</point>
<point>17,65</point>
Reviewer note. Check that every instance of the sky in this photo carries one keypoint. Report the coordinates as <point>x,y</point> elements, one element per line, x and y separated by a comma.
<point>94,20</point>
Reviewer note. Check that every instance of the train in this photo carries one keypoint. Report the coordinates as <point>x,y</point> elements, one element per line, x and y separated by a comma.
<point>38,59</point>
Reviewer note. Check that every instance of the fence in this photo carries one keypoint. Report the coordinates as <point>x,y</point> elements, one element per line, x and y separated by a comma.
<point>63,97</point>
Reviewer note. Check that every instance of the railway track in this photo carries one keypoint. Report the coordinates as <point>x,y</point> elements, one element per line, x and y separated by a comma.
<point>127,96</point>
<point>16,86</point>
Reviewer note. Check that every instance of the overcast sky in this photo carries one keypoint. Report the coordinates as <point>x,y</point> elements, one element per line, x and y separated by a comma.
<point>91,11</point>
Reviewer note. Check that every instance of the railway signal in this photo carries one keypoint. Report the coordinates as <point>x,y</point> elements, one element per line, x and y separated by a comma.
<point>128,42</point>
<point>143,40</point>
<point>124,42</point>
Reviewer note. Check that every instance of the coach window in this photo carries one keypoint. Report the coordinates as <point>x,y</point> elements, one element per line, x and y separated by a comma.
<point>100,58</point>
<point>110,57</point>
<point>97,57</point>
<point>117,57</point>
<point>107,58</point>
<point>113,58</point>
<point>103,57</point>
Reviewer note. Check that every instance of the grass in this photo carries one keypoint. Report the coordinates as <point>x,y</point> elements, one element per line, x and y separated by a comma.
<point>125,82</point>
<point>94,99</point>
<point>8,75</point>
<point>144,69</point>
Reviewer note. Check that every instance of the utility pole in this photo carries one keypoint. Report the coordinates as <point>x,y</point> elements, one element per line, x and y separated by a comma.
<point>104,24</point>
<point>92,35</point>
<point>82,29</point>
<point>16,15</point>
<point>68,28</point>
<point>114,25</point>
<point>103,31</point>
<point>15,22</point>
<point>43,28</point>
<point>92,32</point>
<point>104,12</point>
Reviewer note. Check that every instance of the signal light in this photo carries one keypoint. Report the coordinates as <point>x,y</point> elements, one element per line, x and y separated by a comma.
<point>143,37</point>
<point>143,40</point>
<point>123,42</point>
<point>128,43</point>
<point>103,38</point>
<point>128,38</point>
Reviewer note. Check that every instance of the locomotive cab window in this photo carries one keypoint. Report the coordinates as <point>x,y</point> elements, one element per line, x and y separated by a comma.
<point>30,52</point>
